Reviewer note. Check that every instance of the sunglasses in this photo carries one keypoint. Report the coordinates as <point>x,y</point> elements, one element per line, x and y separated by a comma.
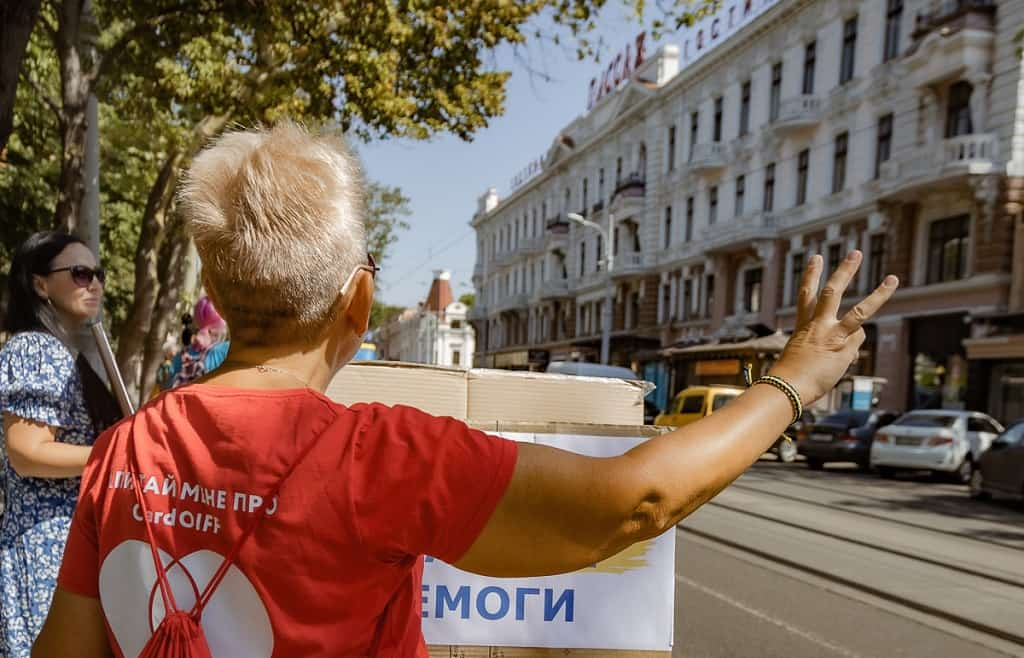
<point>82,275</point>
<point>371,267</point>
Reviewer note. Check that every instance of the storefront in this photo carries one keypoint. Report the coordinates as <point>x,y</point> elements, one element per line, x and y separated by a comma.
<point>997,363</point>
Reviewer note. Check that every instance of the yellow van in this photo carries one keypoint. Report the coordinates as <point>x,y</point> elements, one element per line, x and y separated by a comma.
<point>695,402</point>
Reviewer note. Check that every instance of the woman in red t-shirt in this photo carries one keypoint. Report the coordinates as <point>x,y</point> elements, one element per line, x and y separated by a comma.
<point>344,502</point>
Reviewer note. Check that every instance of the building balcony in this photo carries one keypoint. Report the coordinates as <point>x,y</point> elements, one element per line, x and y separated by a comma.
<point>588,280</point>
<point>631,186</point>
<point>709,157</point>
<point>953,15</point>
<point>553,289</point>
<point>798,113</point>
<point>512,302</point>
<point>966,154</point>
<point>631,264</point>
<point>956,37</point>
<point>740,230</point>
<point>679,252</point>
<point>559,224</point>
<point>970,154</point>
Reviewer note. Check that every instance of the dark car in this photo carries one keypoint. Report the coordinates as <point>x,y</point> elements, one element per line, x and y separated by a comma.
<point>1000,470</point>
<point>844,436</point>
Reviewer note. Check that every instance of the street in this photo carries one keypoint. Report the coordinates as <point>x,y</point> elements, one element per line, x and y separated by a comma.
<point>792,562</point>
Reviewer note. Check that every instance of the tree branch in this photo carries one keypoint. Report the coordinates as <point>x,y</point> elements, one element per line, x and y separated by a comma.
<point>114,51</point>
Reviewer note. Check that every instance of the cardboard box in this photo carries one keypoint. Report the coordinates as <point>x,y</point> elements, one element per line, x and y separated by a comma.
<point>492,395</point>
<point>530,396</point>
<point>506,402</point>
<point>437,390</point>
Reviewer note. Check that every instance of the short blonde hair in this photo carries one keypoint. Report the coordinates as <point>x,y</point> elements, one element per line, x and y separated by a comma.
<point>278,219</point>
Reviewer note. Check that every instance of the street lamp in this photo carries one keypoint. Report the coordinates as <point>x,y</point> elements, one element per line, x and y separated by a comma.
<point>609,259</point>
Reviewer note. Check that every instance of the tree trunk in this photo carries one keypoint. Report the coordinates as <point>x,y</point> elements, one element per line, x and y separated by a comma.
<point>132,337</point>
<point>75,85</point>
<point>147,305</point>
<point>171,271</point>
<point>17,18</point>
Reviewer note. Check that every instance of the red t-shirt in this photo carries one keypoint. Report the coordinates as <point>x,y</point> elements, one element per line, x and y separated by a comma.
<point>334,571</point>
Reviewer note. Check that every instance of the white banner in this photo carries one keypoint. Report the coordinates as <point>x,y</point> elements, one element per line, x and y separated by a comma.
<point>624,602</point>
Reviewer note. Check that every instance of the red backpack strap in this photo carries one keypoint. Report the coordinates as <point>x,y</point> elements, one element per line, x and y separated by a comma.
<point>170,606</point>
<point>229,560</point>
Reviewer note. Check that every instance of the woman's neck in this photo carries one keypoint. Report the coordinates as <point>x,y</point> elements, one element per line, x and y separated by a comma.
<point>249,366</point>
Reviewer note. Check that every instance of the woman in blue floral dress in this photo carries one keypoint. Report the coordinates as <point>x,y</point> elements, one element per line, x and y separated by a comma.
<point>53,404</point>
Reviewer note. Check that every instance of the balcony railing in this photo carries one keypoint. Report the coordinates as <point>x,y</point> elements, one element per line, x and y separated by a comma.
<point>708,157</point>
<point>966,154</point>
<point>633,185</point>
<point>511,302</point>
<point>954,15</point>
<point>974,153</point>
<point>553,289</point>
<point>630,263</point>
<point>558,225</point>
<point>802,111</point>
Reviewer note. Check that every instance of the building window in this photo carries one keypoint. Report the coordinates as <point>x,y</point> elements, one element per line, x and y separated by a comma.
<point>796,268</point>
<point>876,260</point>
<point>568,200</point>
<point>600,185</point>
<point>618,171</point>
<point>456,324</point>
<point>687,299</point>
<point>834,256</point>
<point>883,143</point>
<point>615,241</point>
<point>846,66</point>
<point>769,188</point>
<point>775,98</point>
<point>958,110</point>
<point>948,243</point>
<point>810,59</point>
<point>694,124</point>
<point>719,102</point>
<point>668,226</point>
<point>672,148</point>
<point>666,303</point>
<point>745,108</point>
<point>710,295</point>
<point>713,204</point>
<point>584,197</point>
<point>802,166</point>
<point>752,290</point>
<point>839,162</point>
<point>597,254</point>
<point>741,190</point>
<point>583,258</point>
<point>456,357</point>
<point>893,17</point>
<point>689,219</point>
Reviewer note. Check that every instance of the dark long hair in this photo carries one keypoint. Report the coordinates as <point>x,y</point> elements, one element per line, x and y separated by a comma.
<point>27,312</point>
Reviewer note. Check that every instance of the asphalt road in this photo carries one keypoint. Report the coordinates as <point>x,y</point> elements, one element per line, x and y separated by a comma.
<point>790,562</point>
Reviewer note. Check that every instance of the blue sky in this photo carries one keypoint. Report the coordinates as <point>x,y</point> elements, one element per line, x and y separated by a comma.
<point>444,177</point>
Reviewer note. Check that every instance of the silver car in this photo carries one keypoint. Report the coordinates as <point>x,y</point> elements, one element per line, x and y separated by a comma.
<point>948,442</point>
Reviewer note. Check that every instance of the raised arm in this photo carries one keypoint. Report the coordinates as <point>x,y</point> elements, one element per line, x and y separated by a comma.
<point>564,511</point>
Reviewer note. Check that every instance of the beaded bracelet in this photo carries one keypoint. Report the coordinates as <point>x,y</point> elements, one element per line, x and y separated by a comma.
<point>782,385</point>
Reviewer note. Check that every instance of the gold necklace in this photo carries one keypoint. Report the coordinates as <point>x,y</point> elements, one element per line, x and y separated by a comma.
<point>263,368</point>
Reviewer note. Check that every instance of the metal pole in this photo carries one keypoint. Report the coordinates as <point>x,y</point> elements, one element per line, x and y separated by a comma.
<point>606,311</point>
<point>110,365</point>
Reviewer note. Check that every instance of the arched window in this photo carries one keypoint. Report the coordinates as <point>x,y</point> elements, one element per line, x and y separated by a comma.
<point>641,165</point>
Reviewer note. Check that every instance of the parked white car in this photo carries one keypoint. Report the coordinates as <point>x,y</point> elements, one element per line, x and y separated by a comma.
<point>934,440</point>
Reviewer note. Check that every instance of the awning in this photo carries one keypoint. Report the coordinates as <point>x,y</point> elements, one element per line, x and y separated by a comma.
<point>1010,346</point>
<point>767,344</point>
